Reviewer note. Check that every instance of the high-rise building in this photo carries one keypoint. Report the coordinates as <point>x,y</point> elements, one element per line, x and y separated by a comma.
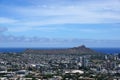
<point>84,61</point>
<point>119,55</point>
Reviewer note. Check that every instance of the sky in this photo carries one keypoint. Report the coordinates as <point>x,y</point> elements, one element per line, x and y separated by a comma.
<point>59,23</point>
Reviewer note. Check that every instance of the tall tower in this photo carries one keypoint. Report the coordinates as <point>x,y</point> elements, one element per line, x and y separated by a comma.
<point>84,61</point>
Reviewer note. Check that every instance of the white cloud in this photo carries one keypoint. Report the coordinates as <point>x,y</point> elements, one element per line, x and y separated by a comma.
<point>20,29</point>
<point>11,41</point>
<point>3,29</point>
<point>89,12</point>
<point>38,16</point>
<point>4,20</point>
<point>86,13</point>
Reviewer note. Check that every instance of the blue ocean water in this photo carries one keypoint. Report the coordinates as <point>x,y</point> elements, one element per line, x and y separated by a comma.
<point>107,50</point>
<point>12,49</point>
<point>102,50</point>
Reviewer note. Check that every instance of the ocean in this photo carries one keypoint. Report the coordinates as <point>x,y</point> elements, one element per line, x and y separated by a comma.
<point>102,50</point>
<point>107,50</point>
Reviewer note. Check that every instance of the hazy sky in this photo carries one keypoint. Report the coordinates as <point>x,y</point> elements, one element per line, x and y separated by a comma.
<point>59,23</point>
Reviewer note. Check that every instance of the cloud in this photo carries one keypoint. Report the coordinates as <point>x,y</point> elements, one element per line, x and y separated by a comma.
<point>3,29</point>
<point>41,13</point>
<point>24,41</point>
<point>44,40</point>
<point>13,41</point>
<point>33,28</point>
<point>4,20</point>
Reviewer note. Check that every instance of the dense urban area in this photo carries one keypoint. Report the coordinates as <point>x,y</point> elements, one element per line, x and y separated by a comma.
<point>79,63</point>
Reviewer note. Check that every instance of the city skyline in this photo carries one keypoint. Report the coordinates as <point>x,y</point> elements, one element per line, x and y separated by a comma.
<point>59,23</point>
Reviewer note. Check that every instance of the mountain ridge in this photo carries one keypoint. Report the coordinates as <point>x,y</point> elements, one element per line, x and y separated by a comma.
<point>75,50</point>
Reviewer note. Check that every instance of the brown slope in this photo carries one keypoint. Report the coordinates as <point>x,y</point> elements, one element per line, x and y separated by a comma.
<point>76,50</point>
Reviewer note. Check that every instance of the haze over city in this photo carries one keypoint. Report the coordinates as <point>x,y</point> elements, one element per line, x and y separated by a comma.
<point>59,23</point>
